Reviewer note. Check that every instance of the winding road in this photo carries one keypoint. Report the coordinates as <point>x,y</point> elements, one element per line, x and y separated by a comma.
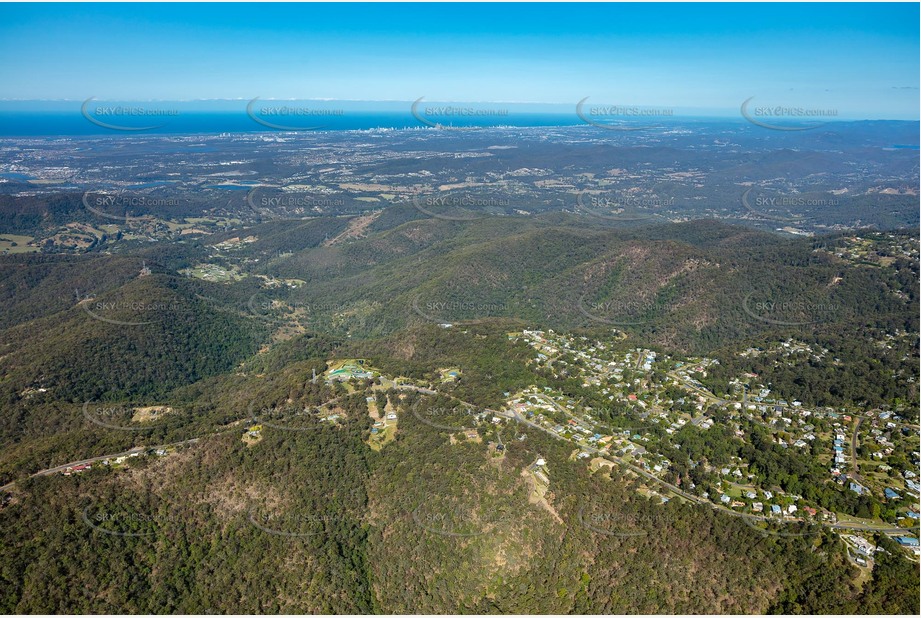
<point>90,460</point>
<point>513,415</point>
<point>698,499</point>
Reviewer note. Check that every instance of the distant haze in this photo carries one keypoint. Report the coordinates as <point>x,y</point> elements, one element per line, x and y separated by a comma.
<point>858,59</point>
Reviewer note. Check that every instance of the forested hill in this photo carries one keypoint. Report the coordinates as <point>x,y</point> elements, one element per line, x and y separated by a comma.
<point>313,520</point>
<point>262,487</point>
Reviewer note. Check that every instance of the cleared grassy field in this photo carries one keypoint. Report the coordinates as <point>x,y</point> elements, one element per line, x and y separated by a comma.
<point>212,272</point>
<point>13,243</point>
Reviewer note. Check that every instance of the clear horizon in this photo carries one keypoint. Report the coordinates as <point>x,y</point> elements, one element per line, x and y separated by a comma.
<point>860,59</point>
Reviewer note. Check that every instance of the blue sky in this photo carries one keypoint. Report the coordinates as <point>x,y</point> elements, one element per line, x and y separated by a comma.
<point>861,59</point>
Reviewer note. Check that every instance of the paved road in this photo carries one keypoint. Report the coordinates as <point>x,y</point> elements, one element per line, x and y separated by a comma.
<point>427,391</point>
<point>698,499</point>
<point>700,391</point>
<point>63,467</point>
<point>139,449</point>
<point>511,414</point>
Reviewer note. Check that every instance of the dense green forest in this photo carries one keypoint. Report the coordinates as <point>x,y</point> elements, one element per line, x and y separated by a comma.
<point>308,518</point>
<point>315,521</point>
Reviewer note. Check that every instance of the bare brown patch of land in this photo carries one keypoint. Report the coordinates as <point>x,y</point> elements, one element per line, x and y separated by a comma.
<point>150,413</point>
<point>355,229</point>
<point>538,494</point>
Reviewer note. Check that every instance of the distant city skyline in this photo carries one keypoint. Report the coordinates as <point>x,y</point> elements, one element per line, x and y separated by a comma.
<point>858,59</point>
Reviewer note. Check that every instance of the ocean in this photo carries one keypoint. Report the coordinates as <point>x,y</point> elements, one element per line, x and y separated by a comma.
<point>62,124</point>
